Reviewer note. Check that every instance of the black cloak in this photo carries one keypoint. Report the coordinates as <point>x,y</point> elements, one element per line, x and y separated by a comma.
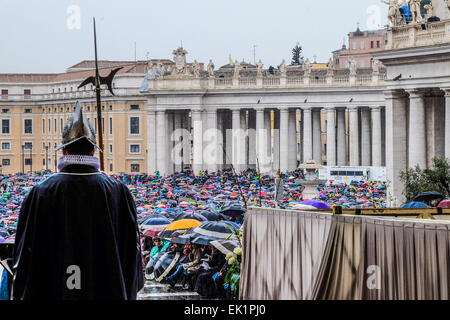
<point>78,223</point>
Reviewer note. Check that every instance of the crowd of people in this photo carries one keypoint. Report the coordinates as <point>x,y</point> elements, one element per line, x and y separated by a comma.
<point>186,192</point>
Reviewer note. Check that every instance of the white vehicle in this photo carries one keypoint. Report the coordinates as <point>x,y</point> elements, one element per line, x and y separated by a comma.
<point>348,174</point>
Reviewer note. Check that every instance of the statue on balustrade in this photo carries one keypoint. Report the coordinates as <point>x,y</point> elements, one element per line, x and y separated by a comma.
<point>307,68</point>
<point>352,66</point>
<point>237,68</point>
<point>282,68</point>
<point>211,68</point>
<point>430,11</point>
<point>196,69</point>
<point>259,67</point>
<point>394,14</point>
<point>330,67</point>
<point>414,8</point>
<point>376,65</point>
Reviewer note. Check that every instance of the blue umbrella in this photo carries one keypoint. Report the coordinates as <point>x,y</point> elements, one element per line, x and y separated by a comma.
<point>415,204</point>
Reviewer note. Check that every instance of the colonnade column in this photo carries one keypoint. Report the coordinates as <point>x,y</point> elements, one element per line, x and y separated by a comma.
<point>365,138</point>
<point>186,139</point>
<point>176,138</point>
<point>417,139</point>
<point>293,152</point>
<point>161,142</point>
<point>238,142</point>
<point>197,129</point>
<point>268,130</point>
<point>276,141</point>
<point>447,124</point>
<point>307,134</point>
<point>331,136</point>
<point>317,135</point>
<point>151,140</point>
<point>211,142</point>
<point>376,137</point>
<point>341,138</point>
<point>354,136</point>
<point>396,140</point>
<point>262,157</point>
<point>252,138</point>
<point>284,140</point>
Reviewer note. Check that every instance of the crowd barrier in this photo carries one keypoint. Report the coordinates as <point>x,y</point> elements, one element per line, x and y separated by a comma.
<point>300,255</point>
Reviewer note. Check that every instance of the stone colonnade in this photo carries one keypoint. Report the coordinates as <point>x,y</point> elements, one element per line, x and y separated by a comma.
<point>273,138</point>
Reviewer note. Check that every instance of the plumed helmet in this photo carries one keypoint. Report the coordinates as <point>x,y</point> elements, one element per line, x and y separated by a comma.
<point>77,128</point>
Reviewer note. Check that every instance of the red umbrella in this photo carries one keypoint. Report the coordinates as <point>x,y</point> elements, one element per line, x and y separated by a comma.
<point>444,203</point>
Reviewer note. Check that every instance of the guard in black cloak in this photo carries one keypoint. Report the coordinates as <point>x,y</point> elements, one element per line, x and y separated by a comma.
<point>77,237</point>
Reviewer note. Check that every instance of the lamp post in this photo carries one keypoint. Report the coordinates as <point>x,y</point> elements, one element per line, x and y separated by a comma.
<point>23,159</point>
<point>46,158</point>
<point>31,159</point>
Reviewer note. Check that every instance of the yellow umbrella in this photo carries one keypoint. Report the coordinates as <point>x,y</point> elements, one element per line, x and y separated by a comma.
<point>184,224</point>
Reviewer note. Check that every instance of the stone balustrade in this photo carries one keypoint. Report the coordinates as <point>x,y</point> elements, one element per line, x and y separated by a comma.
<point>418,35</point>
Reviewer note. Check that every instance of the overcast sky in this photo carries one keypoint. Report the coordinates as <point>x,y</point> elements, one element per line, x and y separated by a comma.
<point>43,36</point>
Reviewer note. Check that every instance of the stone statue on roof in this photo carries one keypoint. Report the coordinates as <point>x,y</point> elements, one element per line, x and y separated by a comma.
<point>352,66</point>
<point>414,7</point>
<point>307,67</point>
<point>282,68</point>
<point>211,68</point>
<point>237,68</point>
<point>394,10</point>
<point>259,66</point>
<point>196,69</point>
<point>330,67</point>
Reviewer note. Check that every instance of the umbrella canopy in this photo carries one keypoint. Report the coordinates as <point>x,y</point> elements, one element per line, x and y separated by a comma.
<point>191,215</point>
<point>415,204</point>
<point>316,204</point>
<point>184,224</point>
<point>156,222</point>
<point>153,231</point>
<point>233,210</point>
<point>225,246</point>
<point>444,204</point>
<point>213,230</point>
<point>300,206</point>
<point>428,196</point>
<point>212,215</point>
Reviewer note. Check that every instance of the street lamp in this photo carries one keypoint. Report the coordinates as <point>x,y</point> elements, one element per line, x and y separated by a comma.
<point>31,159</point>
<point>46,158</point>
<point>23,159</point>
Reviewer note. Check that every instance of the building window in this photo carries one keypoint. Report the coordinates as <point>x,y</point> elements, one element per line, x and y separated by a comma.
<point>362,63</point>
<point>5,126</point>
<point>378,43</point>
<point>28,162</point>
<point>61,124</point>
<point>6,162</point>
<point>28,126</point>
<point>361,45</point>
<point>134,125</point>
<point>110,126</point>
<point>134,107</point>
<point>371,44</point>
<point>4,93</point>
<point>354,45</point>
<point>28,145</point>
<point>135,148</point>
<point>103,125</point>
<point>49,123</point>
<point>110,148</point>
<point>6,146</point>
<point>28,111</point>
<point>27,92</point>
<point>95,124</point>
<point>43,126</point>
<point>5,110</point>
<point>110,167</point>
<point>135,167</point>
<point>54,124</point>
<point>347,64</point>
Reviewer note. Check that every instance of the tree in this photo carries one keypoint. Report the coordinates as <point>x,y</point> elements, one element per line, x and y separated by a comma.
<point>297,58</point>
<point>436,178</point>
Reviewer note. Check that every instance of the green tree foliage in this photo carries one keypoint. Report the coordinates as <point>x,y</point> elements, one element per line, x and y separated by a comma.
<point>418,180</point>
<point>297,57</point>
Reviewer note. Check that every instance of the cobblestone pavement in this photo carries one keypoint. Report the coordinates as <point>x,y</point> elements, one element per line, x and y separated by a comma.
<point>160,291</point>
